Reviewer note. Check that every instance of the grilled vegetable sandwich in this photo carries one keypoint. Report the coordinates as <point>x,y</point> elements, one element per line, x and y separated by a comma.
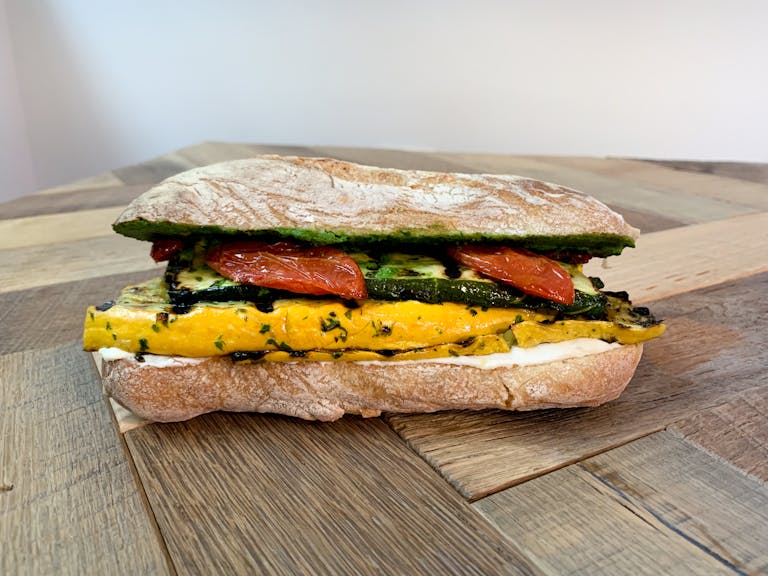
<point>314,287</point>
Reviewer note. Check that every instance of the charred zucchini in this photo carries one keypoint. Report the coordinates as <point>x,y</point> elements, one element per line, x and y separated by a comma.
<point>388,276</point>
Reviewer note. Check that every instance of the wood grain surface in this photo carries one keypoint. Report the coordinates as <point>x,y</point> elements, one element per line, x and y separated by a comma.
<point>68,497</point>
<point>67,201</point>
<point>53,314</point>
<point>743,193</point>
<point>752,172</point>
<point>734,430</point>
<point>683,259</point>
<point>273,495</point>
<point>655,506</point>
<point>668,479</point>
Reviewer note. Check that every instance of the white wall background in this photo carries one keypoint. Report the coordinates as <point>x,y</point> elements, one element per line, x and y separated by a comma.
<point>87,85</point>
<point>16,171</point>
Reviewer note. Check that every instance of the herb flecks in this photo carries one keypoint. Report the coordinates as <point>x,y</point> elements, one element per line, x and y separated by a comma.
<point>219,342</point>
<point>332,323</point>
<point>380,329</point>
<point>279,345</point>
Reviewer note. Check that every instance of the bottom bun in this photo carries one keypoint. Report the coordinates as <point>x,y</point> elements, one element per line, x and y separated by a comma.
<point>175,390</point>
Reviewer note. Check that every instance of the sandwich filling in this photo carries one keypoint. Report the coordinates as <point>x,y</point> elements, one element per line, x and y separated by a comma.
<point>288,302</point>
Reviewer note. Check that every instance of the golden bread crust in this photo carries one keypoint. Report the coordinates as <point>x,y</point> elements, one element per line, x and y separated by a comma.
<point>328,390</point>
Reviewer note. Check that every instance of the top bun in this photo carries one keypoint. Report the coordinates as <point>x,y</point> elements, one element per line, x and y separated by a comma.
<point>329,201</point>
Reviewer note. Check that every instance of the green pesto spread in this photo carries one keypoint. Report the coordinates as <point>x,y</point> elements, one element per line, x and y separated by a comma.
<point>598,245</point>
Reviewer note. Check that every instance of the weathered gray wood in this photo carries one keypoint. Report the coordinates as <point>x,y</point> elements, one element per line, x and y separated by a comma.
<point>401,159</point>
<point>45,229</point>
<point>611,189</point>
<point>673,182</point>
<point>736,430</point>
<point>645,220</point>
<point>655,506</point>
<point>154,170</point>
<point>657,268</point>
<point>57,263</point>
<point>68,501</point>
<point>211,152</point>
<point>94,182</point>
<point>69,202</point>
<point>713,350</point>
<point>271,495</point>
<point>48,316</point>
<point>752,172</point>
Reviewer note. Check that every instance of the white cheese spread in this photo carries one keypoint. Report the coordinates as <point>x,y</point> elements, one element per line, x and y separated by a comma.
<point>515,357</point>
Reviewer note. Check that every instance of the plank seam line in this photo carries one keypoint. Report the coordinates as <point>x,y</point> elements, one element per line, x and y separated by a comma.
<point>629,503</point>
<point>675,431</point>
<point>576,461</point>
<point>145,501</point>
<point>455,485</point>
<point>137,478</point>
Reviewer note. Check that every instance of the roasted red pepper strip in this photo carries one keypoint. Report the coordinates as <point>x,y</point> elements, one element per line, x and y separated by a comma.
<point>533,274</point>
<point>316,270</point>
<point>163,250</point>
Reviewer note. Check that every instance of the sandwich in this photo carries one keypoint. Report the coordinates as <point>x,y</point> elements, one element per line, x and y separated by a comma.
<point>315,288</point>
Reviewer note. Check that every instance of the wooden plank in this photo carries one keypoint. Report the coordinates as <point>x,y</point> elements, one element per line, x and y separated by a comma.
<point>613,190</point>
<point>57,228</point>
<point>655,506</point>
<point>646,222</point>
<point>51,264</point>
<point>714,349</point>
<point>385,158</point>
<point>682,259</point>
<point>735,430</point>
<point>730,190</point>
<point>51,315</point>
<point>750,171</point>
<point>70,201</point>
<point>68,501</point>
<point>155,170</point>
<point>272,495</point>
<point>98,181</point>
<point>211,152</point>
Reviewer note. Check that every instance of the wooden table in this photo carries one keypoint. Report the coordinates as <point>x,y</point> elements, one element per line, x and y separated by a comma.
<point>668,479</point>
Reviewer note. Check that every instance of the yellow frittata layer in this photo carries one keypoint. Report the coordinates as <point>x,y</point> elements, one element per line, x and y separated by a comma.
<point>142,321</point>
